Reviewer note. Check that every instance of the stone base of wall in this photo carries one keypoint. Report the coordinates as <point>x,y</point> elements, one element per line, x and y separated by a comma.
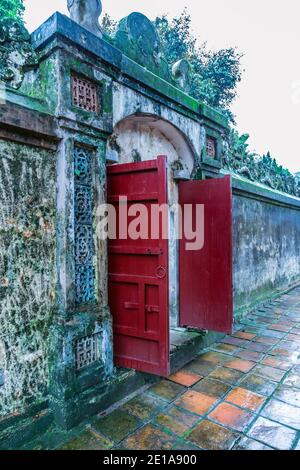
<point>261,298</point>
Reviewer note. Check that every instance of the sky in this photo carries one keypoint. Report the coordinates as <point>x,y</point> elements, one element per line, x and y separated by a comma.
<point>267,33</point>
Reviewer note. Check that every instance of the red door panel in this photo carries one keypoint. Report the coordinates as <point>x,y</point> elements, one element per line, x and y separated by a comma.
<point>138,273</point>
<point>206,275</point>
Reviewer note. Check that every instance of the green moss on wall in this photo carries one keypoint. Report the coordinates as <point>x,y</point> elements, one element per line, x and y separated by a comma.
<point>27,271</point>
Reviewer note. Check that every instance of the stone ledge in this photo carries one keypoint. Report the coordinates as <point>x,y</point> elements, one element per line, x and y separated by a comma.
<point>61,25</point>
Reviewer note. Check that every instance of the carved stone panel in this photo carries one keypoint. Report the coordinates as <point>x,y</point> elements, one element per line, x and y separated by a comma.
<point>83,212</point>
<point>86,351</point>
<point>211,147</point>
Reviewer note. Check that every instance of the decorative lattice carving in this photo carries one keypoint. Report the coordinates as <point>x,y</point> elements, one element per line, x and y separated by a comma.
<point>84,241</point>
<point>211,150</point>
<point>85,94</point>
<point>86,351</point>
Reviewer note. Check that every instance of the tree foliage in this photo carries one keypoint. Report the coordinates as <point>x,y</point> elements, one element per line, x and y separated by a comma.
<point>214,74</point>
<point>12,9</point>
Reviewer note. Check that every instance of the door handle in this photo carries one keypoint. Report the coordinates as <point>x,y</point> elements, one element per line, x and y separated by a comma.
<point>152,308</point>
<point>131,305</point>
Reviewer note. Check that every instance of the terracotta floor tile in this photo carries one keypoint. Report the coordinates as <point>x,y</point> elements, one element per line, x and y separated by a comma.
<point>283,413</point>
<point>184,377</point>
<point>278,327</point>
<point>243,335</point>
<point>211,436</point>
<point>250,444</point>
<point>240,365</point>
<point>273,434</point>
<point>229,376</point>
<point>117,425</point>
<point>258,347</point>
<point>293,337</point>
<point>144,406</point>
<point>234,341</point>
<point>266,340</point>
<point>273,334</point>
<point>213,357</point>
<point>289,345</point>
<point>87,441</point>
<point>296,331</point>
<point>176,420</point>
<point>196,402</point>
<point>258,384</point>
<point>231,416</point>
<point>277,363</point>
<point>212,388</point>
<point>285,354</point>
<point>245,399</point>
<point>202,368</point>
<point>292,380</point>
<point>289,395</point>
<point>149,438</point>
<point>185,417</point>
<point>185,445</point>
<point>269,372</point>
<point>227,348</point>
<point>249,355</point>
<point>167,390</point>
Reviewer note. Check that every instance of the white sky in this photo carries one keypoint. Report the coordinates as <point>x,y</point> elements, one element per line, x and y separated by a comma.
<point>266,31</point>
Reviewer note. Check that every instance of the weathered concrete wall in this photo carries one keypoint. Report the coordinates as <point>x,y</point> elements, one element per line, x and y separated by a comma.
<point>266,249</point>
<point>27,272</point>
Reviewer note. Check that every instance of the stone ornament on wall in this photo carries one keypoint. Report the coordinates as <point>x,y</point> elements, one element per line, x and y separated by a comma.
<point>16,52</point>
<point>181,72</point>
<point>86,13</point>
<point>137,38</point>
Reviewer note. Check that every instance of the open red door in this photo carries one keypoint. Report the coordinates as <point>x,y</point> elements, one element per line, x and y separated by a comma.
<point>206,298</point>
<point>138,272</point>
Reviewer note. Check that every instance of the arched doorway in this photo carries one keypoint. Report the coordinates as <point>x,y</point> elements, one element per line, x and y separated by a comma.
<point>141,137</point>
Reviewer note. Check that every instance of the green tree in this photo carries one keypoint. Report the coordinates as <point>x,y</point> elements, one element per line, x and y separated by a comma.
<point>214,74</point>
<point>12,9</point>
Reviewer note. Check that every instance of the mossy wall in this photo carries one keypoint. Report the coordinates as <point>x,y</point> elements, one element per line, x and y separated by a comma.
<point>266,250</point>
<point>27,272</point>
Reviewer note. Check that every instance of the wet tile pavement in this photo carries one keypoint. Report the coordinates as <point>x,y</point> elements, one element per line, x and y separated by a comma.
<point>243,393</point>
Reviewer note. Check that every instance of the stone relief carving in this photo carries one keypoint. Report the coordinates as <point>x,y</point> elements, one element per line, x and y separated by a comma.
<point>137,38</point>
<point>86,13</point>
<point>16,52</point>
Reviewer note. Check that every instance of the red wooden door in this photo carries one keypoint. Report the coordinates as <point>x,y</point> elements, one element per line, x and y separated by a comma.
<point>206,275</point>
<point>138,272</point>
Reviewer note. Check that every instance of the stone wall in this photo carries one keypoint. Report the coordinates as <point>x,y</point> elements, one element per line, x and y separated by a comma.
<point>27,272</point>
<point>266,244</point>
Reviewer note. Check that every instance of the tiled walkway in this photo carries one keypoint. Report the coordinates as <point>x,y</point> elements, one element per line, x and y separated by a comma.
<point>242,393</point>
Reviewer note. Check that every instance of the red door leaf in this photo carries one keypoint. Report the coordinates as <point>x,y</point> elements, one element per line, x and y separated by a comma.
<point>206,275</point>
<point>138,273</point>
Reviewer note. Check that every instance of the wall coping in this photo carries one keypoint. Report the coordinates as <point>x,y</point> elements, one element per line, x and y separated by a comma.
<point>61,25</point>
<point>255,190</point>
<point>18,111</point>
